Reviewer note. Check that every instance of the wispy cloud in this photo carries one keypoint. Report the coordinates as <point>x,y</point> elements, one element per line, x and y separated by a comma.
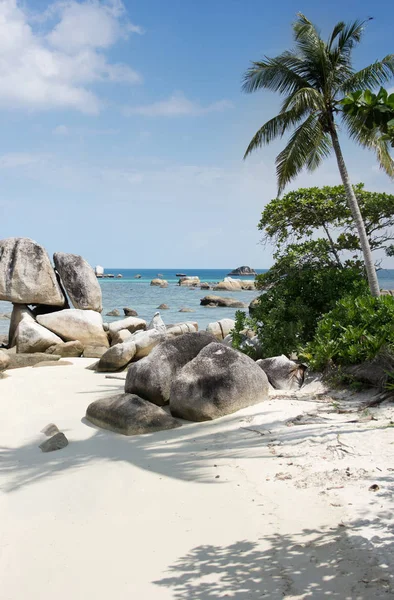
<point>176,106</point>
<point>50,60</point>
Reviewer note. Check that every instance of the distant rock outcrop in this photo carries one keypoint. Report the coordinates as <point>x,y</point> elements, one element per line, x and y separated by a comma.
<point>242,271</point>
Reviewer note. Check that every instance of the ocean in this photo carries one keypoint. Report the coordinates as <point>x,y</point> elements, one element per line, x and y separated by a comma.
<point>144,298</point>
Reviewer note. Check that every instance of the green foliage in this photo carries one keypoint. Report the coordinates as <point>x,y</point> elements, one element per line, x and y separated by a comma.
<point>301,215</point>
<point>243,323</point>
<point>357,329</point>
<point>313,77</point>
<point>287,314</point>
<point>374,111</point>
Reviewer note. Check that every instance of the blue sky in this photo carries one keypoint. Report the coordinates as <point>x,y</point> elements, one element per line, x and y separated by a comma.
<point>124,126</point>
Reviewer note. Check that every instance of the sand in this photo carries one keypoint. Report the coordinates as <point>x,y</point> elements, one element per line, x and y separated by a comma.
<point>248,506</point>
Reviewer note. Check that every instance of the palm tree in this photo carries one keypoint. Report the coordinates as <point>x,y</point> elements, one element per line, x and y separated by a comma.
<point>313,78</point>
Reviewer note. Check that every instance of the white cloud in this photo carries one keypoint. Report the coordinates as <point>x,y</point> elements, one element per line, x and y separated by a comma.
<point>175,106</point>
<point>54,68</point>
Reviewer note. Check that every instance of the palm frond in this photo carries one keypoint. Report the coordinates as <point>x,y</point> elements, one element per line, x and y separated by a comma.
<point>339,27</point>
<point>276,74</point>
<point>384,156</point>
<point>350,36</point>
<point>304,100</point>
<point>322,149</point>
<point>273,129</point>
<point>370,77</point>
<point>303,143</point>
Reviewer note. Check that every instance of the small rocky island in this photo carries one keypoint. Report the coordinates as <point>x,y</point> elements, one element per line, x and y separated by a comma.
<point>241,271</point>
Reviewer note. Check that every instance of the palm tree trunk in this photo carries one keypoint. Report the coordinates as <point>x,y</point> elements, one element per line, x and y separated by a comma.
<point>357,216</point>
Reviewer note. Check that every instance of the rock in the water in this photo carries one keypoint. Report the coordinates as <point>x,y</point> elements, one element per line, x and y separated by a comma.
<point>79,280</point>
<point>242,271</point>
<point>56,442</point>
<point>205,286</point>
<point>217,382</point>
<point>189,281</point>
<point>159,282</point>
<point>94,351</point>
<point>4,361</point>
<point>145,341</point>
<point>151,377</point>
<point>66,349</point>
<point>157,323</point>
<point>18,361</point>
<point>129,415</point>
<point>282,373</point>
<point>186,310</point>
<point>50,430</point>
<point>74,324</point>
<point>130,312</point>
<point>163,307</point>
<point>228,284</point>
<point>120,336</point>
<point>221,328</point>
<point>113,313</point>
<point>117,357</point>
<point>132,324</point>
<point>212,301</point>
<point>26,274</point>
<point>31,337</point>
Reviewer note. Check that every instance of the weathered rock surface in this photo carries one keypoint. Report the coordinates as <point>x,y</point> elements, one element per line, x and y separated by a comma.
<point>180,329</point>
<point>94,351</point>
<point>186,310</point>
<point>282,373</point>
<point>79,280</point>
<point>235,285</point>
<point>129,415</point>
<point>117,357</point>
<point>56,442</point>
<point>75,324</point>
<point>130,312</point>
<point>31,337</point>
<point>189,281</point>
<point>66,349</point>
<point>219,381</point>
<point>223,302</point>
<point>4,361</point>
<point>113,313</point>
<point>220,329</point>
<point>157,323</point>
<point>19,312</point>
<point>120,336</point>
<point>242,271</point>
<point>26,274</point>
<point>163,307</point>
<point>151,377</point>
<point>18,361</point>
<point>132,324</point>
<point>145,341</point>
<point>50,430</point>
<point>205,286</point>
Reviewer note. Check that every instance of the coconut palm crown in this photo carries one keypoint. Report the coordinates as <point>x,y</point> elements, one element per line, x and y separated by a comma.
<point>313,78</point>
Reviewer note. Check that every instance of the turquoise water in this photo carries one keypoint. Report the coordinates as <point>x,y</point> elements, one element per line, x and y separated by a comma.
<point>144,298</point>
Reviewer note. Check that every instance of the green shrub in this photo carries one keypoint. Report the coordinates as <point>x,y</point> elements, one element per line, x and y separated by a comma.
<point>354,331</point>
<point>286,316</point>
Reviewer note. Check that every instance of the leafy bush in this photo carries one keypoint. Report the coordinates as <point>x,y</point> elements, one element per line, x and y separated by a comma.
<point>357,329</point>
<point>286,316</point>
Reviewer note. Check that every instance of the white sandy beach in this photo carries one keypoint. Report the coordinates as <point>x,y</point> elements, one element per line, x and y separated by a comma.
<point>243,507</point>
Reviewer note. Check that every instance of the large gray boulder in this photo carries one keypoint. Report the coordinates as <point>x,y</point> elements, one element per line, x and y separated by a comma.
<point>221,328</point>
<point>219,381</point>
<point>120,336</point>
<point>145,341</point>
<point>151,377</point>
<point>117,357</point>
<point>222,302</point>
<point>32,337</point>
<point>74,324</point>
<point>26,274</point>
<point>282,373</point>
<point>4,361</point>
<point>132,324</point>
<point>79,281</point>
<point>19,312</point>
<point>180,329</point>
<point>129,415</point>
